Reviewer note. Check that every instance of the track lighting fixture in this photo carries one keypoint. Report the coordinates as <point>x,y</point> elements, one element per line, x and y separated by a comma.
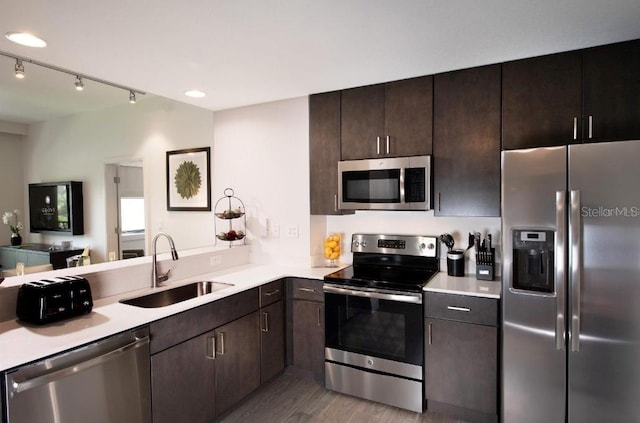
<point>19,69</point>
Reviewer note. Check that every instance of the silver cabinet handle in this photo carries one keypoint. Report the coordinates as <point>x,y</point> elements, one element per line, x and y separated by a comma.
<point>265,319</point>
<point>560,264</point>
<point>575,240</point>
<point>378,145</point>
<point>335,202</point>
<point>575,128</point>
<point>388,144</point>
<point>20,386</point>
<point>319,316</point>
<point>221,352</point>
<point>590,126</point>
<point>274,292</point>
<point>211,348</point>
<point>306,289</point>
<point>439,201</point>
<point>430,334</point>
<point>454,308</point>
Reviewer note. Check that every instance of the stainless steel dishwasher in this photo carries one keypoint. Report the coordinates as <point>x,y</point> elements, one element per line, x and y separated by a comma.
<point>104,382</point>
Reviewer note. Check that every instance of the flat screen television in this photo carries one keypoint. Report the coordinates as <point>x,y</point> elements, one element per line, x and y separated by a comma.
<point>56,207</point>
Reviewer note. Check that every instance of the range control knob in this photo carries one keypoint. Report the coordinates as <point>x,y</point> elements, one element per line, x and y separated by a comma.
<point>431,246</point>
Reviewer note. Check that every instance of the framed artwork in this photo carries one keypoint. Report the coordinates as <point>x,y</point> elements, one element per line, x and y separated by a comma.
<point>189,179</point>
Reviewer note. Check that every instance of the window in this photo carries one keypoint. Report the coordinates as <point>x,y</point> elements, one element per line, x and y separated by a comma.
<point>132,214</point>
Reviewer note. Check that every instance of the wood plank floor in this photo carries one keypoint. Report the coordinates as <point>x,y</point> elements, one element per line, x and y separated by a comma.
<point>295,397</point>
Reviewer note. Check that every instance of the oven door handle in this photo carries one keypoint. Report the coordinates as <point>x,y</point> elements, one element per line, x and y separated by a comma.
<point>414,298</point>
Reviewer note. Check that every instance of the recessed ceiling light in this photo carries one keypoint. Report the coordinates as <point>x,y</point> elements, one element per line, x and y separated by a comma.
<point>25,39</point>
<point>194,94</point>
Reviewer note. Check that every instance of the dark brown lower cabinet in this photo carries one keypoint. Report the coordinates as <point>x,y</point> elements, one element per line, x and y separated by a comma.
<point>461,356</point>
<point>183,382</point>
<point>308,336</point>
<point>205,360</point>
<point>191,383</point>
<point>461,365</point>
<point>272,342</point>
<point>237,361</point>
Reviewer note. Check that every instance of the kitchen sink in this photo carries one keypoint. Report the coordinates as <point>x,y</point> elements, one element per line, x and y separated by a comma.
<point>176,295</point>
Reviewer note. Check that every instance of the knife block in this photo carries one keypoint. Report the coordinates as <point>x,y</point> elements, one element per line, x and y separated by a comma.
<point>485,269</point>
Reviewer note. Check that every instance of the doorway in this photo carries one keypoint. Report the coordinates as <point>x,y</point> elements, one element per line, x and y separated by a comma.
<point>126,218</point>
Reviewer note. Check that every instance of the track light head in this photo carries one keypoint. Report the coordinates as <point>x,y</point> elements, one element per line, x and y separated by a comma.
<point>132,97</point>
<point>79,84</point>
<point>19,69</point>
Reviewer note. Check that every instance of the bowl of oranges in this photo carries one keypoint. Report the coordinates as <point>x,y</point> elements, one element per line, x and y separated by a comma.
<point>332,249</point>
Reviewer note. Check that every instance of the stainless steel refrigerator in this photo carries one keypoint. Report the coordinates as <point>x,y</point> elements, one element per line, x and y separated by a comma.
<point>571,284</point>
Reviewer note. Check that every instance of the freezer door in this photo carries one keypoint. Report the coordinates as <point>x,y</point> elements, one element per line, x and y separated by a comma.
<point>533,342</point>
<point>604,287</point>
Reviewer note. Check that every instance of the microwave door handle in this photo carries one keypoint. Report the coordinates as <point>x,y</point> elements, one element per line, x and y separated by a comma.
<point>402,182</point>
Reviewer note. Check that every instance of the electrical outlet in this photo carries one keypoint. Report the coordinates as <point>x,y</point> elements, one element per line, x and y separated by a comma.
<point>292,231</point>
<point>274,230</point>
<point>215,260</point>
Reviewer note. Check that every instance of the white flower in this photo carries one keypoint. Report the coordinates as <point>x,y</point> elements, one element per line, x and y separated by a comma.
<point>7,219</point>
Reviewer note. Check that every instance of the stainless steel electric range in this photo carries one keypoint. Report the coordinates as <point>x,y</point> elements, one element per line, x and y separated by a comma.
<point>374,335</point>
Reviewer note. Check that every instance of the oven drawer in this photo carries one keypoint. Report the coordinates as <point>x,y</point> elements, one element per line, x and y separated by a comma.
<point>271,292</point>
<point>307,289</point>
<point>461,308</point>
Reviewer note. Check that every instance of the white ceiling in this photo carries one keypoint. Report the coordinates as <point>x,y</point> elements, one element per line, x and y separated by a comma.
<point>243,52</point>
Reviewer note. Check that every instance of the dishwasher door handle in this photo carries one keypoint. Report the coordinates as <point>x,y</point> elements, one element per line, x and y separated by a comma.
<point>24,385</point>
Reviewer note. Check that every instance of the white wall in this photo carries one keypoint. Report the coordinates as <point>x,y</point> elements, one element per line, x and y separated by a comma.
<point>78,148</point>
<point>262,152</point>
<point>11,180</point>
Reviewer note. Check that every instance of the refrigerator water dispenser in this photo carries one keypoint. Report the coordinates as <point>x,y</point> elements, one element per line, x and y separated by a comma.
<point>533,260</point>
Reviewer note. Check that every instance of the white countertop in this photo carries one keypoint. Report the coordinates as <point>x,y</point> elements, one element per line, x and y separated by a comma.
<point>22,343</point>
<point>466,285</point>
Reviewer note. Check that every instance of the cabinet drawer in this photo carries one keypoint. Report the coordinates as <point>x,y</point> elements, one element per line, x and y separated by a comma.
<point>307,289</point>
<point>271,292</point>
<point>461,308</point>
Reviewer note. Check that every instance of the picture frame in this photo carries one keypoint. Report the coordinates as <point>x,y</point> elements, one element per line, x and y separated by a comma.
<point>189,179</point>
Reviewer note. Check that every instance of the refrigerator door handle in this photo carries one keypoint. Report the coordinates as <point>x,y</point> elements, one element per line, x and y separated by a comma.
<point>575,242</point>
<point>560,265</point>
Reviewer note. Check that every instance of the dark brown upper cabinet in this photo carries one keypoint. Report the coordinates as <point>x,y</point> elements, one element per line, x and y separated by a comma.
<point>541,101</point>
<point>466,142</point>
<point>611,92</point>
<point>324,152</point>
<point>590,95</point>
<point>388,120</point>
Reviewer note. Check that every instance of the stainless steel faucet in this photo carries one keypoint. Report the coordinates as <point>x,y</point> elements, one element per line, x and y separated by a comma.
<point>155,278</point>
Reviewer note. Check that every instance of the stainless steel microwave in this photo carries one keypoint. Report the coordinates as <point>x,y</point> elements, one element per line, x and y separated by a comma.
<point>400,183</point>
